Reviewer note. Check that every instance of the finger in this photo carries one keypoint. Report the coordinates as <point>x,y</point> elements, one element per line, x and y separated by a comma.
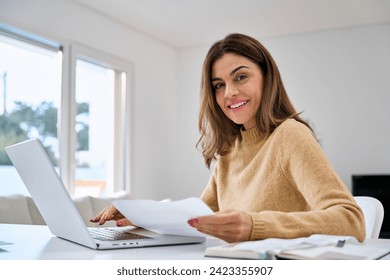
<point>217,231</point>
<point>218,219</point>
<point>211,220</point>
<point>99,216</point>
<point>102,218</point>
<point>224,235</point>
<point>123,222</point>
<point>227,234</point>
<point>108,215</point>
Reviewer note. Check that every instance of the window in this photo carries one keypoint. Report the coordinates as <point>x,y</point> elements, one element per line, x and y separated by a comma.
<point>30,98</point>
<point>76,101</point>
<point>100,124</point>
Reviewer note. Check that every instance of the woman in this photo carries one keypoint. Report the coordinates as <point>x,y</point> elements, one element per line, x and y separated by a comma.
<point>271,178</point>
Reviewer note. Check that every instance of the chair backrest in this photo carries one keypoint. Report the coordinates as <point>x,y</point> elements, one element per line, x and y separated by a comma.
<point>373,214</point>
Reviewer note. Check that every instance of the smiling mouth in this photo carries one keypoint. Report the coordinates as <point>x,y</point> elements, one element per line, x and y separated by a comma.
<point>237,105</point>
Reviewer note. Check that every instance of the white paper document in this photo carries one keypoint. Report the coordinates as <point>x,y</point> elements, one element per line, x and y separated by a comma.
<point>164,217</point>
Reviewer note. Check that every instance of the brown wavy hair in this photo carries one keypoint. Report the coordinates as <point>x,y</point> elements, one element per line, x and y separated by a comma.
<point>218,132</point>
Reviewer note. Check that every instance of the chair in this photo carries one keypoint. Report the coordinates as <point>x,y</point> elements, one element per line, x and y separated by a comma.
<point>373,214</point>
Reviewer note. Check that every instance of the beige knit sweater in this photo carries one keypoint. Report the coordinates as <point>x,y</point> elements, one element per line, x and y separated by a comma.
<point>286,184</point>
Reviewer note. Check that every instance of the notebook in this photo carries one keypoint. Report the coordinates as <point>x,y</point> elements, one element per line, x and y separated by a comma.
<point>314,247</point>
<point>61,215</point>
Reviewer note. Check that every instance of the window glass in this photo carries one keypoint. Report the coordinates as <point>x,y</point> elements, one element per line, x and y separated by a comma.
<point>95,92</point>
<point>30,90</point>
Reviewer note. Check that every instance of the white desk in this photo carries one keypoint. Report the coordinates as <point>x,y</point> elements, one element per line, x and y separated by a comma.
<point>32,242</point>
<point>36,242</point>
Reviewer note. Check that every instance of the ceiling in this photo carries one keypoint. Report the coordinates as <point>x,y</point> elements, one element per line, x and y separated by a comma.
<point>186,23</point>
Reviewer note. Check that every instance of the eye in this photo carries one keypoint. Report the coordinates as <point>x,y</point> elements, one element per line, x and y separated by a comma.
<point>241,77</point>
<point>218,86</point>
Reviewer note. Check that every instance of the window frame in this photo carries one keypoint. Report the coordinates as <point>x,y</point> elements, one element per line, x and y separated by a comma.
<point>67,137</point>
<point>122,144</point>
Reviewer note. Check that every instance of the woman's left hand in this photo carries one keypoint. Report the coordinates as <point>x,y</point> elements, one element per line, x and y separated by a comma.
<point>229,225</point>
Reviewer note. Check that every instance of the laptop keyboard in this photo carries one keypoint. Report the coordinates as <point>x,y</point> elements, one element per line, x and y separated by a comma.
<point>110,234</point>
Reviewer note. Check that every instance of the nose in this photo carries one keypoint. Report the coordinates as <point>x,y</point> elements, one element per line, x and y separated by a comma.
<point>231,90</point>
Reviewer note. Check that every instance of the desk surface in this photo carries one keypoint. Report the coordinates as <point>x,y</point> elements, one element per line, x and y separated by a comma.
<point>32,242</point>
<point>36,242</point>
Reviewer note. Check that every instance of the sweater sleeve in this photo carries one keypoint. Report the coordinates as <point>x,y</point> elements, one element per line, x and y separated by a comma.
<point>209,195</point>
<point>332,209</point>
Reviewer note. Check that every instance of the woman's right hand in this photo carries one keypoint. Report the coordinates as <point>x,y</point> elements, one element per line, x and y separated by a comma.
<point>111,213</point>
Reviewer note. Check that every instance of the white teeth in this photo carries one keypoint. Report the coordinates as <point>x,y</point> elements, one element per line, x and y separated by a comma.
<point>238,105</point>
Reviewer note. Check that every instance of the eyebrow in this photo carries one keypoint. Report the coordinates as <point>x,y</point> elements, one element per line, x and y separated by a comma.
<point>232,72</point>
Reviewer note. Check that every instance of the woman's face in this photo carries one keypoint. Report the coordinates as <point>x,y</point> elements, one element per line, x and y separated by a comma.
<point>238,87</point>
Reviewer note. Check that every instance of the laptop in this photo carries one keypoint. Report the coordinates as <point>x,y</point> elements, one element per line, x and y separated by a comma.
<point>60,213</point>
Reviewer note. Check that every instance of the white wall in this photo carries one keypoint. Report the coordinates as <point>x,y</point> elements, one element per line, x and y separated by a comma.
<point>339,78</point>
<point>192,174</point>
<point>154,83</point>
